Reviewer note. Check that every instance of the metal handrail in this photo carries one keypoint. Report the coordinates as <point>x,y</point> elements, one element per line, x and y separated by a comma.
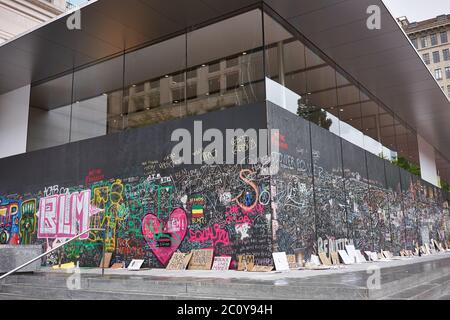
<point>53,250</point>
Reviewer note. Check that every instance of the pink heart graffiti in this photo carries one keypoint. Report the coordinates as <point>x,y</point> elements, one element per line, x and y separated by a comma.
<point>164,239</point>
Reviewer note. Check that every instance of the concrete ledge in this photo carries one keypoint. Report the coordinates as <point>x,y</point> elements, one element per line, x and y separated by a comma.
<point>410,278</point>
<point>13,256</point>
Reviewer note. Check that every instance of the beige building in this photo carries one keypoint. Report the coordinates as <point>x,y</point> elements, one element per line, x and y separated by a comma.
<point>19,16</point>
<point>431,39</point>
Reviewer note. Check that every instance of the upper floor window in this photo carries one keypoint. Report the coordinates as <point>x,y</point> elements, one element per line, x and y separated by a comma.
<point>424,42</point>
<point>446,54</point>
<point>438,74</point>
<point>444,38</point>
<point>434,39</point>
<point>447,72</point>
<point>426,58</point>
<point>415,43</point>
<point>448,90</point>
<point>436,57</point>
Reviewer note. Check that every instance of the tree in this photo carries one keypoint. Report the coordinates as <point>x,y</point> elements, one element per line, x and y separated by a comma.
<point>314,114</point>
<point>445,186</point>
<point>408,166</point>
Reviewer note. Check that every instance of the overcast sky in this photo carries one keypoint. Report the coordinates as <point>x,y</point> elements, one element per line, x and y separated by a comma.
<point>417,10</point>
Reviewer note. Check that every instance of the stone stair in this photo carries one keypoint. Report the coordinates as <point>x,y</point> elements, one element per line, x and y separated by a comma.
<point>426,279</point>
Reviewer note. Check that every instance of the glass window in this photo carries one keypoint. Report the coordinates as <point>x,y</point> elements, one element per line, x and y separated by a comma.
<point>161,68</point>
<point>436,57</point>
<point>446,54</point>
<point>236,72</point>
<point>434,40</point>
<point>49,117</point>
<point>447,72</point>
<point>214,85</point>
<point>92,107</point>
<point>438,74</point>
<point>415,43</point>
<point>444,38</point>
<point>215,67</point>
<point>297,78</point>
<point>426,58</point>
<point>424,42</point>
<point>448,90</point>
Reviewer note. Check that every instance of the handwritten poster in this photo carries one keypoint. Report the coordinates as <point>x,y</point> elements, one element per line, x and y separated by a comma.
<point>201,259</point>
<point>177,262</point>
<point>246,262</point>
<point>325,260</point>
<point>221,263</point>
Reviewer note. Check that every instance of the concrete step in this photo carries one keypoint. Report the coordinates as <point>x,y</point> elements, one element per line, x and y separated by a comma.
<point>431,290</point>
<point>192,287</point>
<point>8,296</point>
<point>26,292</point>
<point>401,279</point>
<point>421,280</point>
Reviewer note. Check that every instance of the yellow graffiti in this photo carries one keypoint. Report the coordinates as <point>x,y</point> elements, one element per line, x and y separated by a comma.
<point>112,216</point>
<point>110,199</point>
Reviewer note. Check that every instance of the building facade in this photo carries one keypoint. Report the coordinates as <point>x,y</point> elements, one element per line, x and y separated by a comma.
<point>19,16</point>
<point>95,136</point>
<point>431,38</point>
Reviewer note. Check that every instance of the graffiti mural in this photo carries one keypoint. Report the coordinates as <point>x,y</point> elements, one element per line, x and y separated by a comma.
<point>327,193</point>
<point>9,222</point>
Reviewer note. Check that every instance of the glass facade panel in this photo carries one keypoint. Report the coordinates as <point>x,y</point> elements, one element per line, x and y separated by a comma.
<point>299,80</point>
<point>50,111</point>
<point>96,105</point>
<point>228,64</point>
<point>155,83</point>
<point>206,69</point>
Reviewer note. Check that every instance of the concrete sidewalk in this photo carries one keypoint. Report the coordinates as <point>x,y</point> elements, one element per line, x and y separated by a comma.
<point>260,276</point>
<point>426,277</point>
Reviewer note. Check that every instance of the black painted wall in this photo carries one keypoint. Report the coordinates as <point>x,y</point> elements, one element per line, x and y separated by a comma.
<point>327,191</point>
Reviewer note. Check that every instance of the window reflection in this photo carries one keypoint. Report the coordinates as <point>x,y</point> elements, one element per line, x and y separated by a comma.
<point>208,69</point>
<point>49,117</point>
<point>228,64</point>
<point>324,96</point>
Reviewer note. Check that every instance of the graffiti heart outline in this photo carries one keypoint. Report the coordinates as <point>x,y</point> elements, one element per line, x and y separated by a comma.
<point>154,229</point>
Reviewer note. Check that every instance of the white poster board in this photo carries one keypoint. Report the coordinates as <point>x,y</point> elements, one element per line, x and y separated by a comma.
<point>135,265</point>
<point>345,257</point>
<point>360,257</point>
<point>351,251</point>
<point>371,255</point>
<point>221,263</point>
<point>315,260</point>
<point>281,261</point>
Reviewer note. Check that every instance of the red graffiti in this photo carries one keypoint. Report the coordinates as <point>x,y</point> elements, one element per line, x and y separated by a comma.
<point>94,175</point>
<point>236,214</point>
<point>280,140</point>
<point>127,248</point>
<point>215,234</point>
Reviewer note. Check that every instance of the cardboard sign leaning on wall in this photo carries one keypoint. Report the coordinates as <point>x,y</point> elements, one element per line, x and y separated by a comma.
<point>201,259</point>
